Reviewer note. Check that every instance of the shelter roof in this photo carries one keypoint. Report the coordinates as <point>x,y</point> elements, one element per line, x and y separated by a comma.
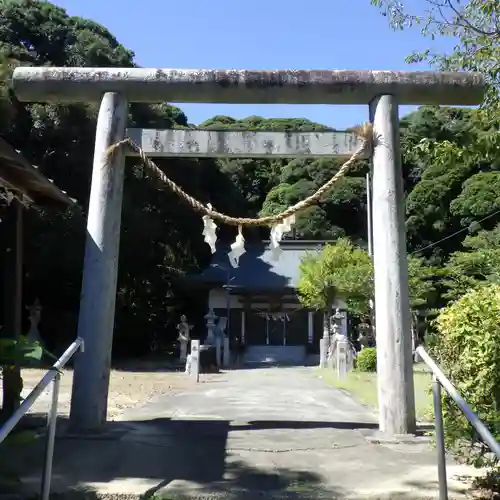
<point>19,176</point>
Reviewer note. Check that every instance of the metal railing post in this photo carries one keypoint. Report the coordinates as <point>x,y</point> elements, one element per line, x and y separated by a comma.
<point>439,428</point>
<point>481,429</point>
<point>51,436</point>
<point>439,381</point>
<point>30,399</point>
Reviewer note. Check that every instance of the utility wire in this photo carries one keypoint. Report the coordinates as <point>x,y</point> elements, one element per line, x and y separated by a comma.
<point>454,234</point>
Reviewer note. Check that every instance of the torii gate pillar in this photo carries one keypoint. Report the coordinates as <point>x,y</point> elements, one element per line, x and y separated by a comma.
<point>89,401</point>
<point>396,393</point>
<point>383,89</point>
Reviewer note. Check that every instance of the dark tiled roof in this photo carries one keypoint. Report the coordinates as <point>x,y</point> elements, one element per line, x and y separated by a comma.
<point>257,270</point>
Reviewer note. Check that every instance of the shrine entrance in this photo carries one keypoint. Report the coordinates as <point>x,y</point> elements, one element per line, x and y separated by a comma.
<point>115,88</point>
<point>276,328</point>
<point>265,328</point>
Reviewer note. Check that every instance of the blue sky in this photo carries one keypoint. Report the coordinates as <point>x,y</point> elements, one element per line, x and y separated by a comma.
<point>257,34</point>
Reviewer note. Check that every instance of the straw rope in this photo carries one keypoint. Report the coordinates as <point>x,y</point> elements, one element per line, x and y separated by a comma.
<point>365,132</point>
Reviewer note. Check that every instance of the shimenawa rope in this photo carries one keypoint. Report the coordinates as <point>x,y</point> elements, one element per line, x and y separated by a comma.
<point>365,132</point>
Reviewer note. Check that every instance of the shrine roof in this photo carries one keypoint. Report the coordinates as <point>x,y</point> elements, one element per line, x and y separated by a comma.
<point>19,176</point>
<point>257,270</point>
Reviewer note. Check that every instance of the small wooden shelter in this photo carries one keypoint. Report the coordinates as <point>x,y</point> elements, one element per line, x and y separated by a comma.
<point>23,184</point>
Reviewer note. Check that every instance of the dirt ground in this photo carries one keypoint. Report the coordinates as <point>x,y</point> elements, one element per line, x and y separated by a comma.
<point>129,387</point>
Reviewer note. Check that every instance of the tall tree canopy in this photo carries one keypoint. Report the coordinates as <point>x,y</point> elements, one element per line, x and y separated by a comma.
<point>473,26</point>
<point>340,271</point>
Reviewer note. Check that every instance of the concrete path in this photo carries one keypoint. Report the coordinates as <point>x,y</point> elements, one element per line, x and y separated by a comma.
<point>261,433</point>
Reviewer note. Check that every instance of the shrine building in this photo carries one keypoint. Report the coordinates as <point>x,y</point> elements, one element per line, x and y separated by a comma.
<point>261,297</point>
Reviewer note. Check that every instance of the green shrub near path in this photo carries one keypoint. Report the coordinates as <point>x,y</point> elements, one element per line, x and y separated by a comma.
<point>366,361</point>
<point>468,350</point>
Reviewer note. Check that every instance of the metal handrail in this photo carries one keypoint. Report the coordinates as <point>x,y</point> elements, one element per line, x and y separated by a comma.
<point>439,380</point>
<point>53,374</point>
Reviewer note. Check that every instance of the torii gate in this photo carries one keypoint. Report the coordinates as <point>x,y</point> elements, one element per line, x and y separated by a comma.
<point>383,91</point>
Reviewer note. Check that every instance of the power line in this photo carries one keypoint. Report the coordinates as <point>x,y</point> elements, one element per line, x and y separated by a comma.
<point>454,234</point>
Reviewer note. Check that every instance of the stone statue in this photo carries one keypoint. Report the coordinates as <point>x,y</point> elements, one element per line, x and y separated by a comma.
<point>184,329</point>
<point>338,334</point>
<point>35,316</point>
<point>335,339</point>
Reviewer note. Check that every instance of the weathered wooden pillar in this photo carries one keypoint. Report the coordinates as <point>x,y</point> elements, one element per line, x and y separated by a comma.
<point>13,302</point>
<point>396,396</point>
<point>97,304</point>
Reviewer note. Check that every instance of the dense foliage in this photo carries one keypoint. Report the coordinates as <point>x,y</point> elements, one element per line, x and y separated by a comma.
<point>468,349</point>
<point>451,174</point>
<point>471,23</point>
<point>366,360</point>
<point>340,271</point>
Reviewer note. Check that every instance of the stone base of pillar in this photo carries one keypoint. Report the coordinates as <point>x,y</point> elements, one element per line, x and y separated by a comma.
<point>324,344</point>
<point>218,349</point>
<point>194,368</point>
<point>226,353</point>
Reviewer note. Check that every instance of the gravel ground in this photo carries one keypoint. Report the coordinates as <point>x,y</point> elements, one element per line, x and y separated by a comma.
<point>129,387</point>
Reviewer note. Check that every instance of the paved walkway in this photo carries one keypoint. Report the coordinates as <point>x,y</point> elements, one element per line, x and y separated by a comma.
<point>261,433</point>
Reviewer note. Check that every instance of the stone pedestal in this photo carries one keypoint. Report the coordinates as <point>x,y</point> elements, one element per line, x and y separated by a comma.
<point>341,358</point>
<point>184,349</point>
<point>226,353</point>
<point>324,345</point>
<point>218,348</point>
<point>195,360</point>
<point>34,335</point>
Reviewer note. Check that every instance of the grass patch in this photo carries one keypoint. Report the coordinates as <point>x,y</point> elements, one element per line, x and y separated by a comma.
<point>363,387</point>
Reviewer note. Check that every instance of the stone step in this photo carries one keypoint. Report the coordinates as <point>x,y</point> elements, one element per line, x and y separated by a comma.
<point>275,354</point>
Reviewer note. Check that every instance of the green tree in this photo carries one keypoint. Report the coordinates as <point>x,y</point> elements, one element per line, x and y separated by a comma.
<point>60,141</point>
<point>459,165</point>
<point>338,271</point>
<point>477,264</point>
<point>457,186</point>
<point>342,212</point>
<point>421,282</point>
<point>474,24</point>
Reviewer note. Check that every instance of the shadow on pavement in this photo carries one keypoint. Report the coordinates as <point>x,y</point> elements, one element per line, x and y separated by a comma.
<point>175,459</point>
<point>166,457</point>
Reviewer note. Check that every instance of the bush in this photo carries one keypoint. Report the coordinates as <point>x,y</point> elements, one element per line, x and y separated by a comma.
<point>366,360</point>
<point>468,350</point>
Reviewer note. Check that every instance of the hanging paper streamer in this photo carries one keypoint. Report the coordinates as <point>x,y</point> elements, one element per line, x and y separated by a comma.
<point>209,228</point>
<point>277,232</point>
<point>237,248</point>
